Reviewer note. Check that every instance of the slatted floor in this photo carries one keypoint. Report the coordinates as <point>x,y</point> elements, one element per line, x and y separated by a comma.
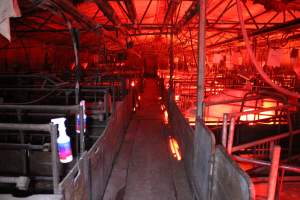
<point>144,168</point>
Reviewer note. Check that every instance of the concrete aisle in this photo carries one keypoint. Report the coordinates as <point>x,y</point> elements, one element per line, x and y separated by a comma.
<point>144,169</point>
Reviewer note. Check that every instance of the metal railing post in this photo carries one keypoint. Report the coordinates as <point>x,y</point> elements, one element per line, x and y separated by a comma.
<point>231,135</point>
<point>81,136</point>
<point>274,173</point>
<point>54,157</point>
<point>224,130</point>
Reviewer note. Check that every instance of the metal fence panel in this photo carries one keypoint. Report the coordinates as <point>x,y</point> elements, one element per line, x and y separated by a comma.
<point>229,181</point>
<point>197,151</point>
<point>104,151</point>
<point>75,185</point>
<point>204,149</point>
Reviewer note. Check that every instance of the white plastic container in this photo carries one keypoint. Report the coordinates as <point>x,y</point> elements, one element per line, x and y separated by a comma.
<point>63,141</point>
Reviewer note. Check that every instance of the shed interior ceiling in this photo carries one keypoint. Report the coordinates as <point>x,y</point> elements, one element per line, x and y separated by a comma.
<point>148,23</point>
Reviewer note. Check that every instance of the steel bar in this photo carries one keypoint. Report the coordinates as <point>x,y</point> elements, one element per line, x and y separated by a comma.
<point>171,60</point>
<point>288,25</point>
<point>54,157</point>
<point>201,60</point>
<point>39,107</point>
<point>172,6</point>
<point>147,8</point>
<point>131,10</point>
<point>224,130</point>
<point>25,127</point>
<point>227,7</point>
<point>81,137</point>
<point>21,146</point>
<point>189,14</point>
<point>266,163</point>
<point>274,173</point>
<point>231,135</point>
<point>250,14</point>
<point>291,135</point>
<point>67,7</point>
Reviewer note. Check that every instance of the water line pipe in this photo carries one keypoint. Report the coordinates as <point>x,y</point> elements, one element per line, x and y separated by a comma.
<point>254,61</point>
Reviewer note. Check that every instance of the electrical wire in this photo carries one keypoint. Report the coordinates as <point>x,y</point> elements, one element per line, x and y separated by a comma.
<point>253,59</point>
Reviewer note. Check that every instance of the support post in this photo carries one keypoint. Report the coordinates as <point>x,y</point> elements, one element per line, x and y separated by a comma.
<point>201,60</point>
<point>273,173</point>
<point>231,135</point>
<point>171,58</point>
<point>81,137</point>
<point>224,130</point>
<point>54,157</point>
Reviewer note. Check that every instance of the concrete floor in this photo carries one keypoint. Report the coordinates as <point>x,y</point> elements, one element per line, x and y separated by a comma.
<point>145,168</point>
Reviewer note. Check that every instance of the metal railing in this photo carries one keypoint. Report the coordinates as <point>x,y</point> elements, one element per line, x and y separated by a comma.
<point>50,128</point>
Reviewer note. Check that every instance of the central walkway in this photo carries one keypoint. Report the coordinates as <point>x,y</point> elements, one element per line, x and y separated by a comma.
<point>144,169</point>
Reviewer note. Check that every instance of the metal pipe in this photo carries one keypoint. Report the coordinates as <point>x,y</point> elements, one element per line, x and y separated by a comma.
<point>131,10</point>
<point>274,173</point>
<point>265,140</point>
<point>21,146</point>
<point>282,26</point>
<point>39,107</point>
<point>266,163</point>
<point>54,157</point>
<point>25,127</point>
<point>231,135</point>
<point>224,130</point>
<point>290,150</point>
<point>171,59</point>
<point>201,60</point>
<point>81,137</point>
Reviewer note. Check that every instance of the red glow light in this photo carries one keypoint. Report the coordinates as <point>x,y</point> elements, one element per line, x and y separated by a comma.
<point>166,117</point>
<point>174,148</point>
<point>132,84</point>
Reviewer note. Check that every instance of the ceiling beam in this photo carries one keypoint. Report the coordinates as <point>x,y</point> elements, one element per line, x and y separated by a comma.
<point>280,27</point>
<point>63,6</point>
<point>172,6</point>
<point>111,15</point>
<point>189,14</point>
<point>131,10</point>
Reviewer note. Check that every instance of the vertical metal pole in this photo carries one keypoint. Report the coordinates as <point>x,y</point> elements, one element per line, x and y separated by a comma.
<point>231,135</point>
<point>224,130</point>
<point>171,59</point>
<point>114,100</point>
<point>290,150</point>
<point>54,157</point>
<point>201,60</point>
<point>81,137</point>
<point>273,173</point>
<point>106,105</point>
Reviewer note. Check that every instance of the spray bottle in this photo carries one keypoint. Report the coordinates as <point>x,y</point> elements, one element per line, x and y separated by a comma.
<point>63,141</point>
<point>82,103</point>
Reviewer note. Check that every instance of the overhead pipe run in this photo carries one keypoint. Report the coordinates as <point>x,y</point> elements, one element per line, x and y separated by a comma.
<point>67,7</point>
<point>131,10</point>
<point>173,5</point>
<point>109,12</point>
<point>287,25</point>
<point>253,58</point>
<point>63,6</point>
<point>189,14</point>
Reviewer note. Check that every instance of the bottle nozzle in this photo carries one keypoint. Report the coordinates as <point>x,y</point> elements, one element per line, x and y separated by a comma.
<point>61,123</point>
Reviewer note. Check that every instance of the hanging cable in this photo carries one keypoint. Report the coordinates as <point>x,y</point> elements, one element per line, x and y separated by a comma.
<point>254,61</point>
